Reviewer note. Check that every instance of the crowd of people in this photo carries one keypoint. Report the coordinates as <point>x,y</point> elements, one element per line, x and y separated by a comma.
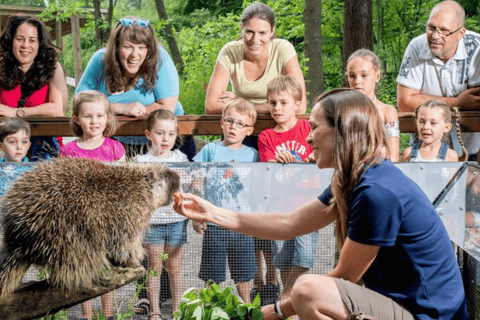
<point>396,261</point>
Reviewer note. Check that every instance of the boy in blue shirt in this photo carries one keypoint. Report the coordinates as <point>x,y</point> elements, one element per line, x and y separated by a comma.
<point>238,119</point>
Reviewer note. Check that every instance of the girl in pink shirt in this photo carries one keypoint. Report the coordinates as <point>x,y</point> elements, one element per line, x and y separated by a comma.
<point>92,122</point>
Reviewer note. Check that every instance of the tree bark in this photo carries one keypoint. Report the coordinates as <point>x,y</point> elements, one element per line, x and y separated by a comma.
<point>313,48</point>
<point>358,28</point>
<point>101,33</point>
<point>177,58</point>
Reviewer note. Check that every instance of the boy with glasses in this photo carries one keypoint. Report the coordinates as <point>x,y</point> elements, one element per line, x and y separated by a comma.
<point>219,244</point>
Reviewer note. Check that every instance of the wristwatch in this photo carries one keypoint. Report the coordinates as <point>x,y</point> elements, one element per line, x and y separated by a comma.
<point>278,311</point>
<point>20,112</point>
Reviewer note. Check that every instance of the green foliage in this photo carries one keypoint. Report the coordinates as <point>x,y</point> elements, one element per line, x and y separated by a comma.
<point>200,47</point>
<point>61,315</point>
<point>31,3</point>
<point>213,303</point>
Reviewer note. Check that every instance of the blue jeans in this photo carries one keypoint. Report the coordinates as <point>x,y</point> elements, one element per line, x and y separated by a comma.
<point>172,234</point>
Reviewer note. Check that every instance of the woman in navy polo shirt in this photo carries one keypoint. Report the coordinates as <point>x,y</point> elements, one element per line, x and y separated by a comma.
<point>392,240</point>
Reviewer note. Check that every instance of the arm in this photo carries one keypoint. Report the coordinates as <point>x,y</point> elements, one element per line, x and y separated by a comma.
<point>409,99</point>
<point>293,68</point>
<point>406,154</point>
<point>216,95</point>
<point>56,104</point>
<point>355,259</point>
<point>281,226</point>
<point>391,116</point>
<point>169,104</point>
<point>452,155</point>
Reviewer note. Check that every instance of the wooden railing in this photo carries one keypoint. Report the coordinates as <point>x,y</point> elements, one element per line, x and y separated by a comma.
<point>210,124</point>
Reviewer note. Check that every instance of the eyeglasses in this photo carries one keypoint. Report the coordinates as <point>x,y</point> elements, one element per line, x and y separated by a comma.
<point>128,22</point>
<point>442,33</point>
<point>239,125</point>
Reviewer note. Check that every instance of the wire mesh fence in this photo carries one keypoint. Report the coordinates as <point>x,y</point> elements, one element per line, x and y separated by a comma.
<point>229,258</point>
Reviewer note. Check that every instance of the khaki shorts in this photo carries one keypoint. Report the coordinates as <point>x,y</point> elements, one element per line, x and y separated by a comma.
<point>359,299</point>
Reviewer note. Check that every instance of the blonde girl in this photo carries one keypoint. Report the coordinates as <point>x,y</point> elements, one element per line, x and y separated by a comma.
<point>434,122</point>
<point>168,230</point>
<point>363,72</point>
<point>93,122</point>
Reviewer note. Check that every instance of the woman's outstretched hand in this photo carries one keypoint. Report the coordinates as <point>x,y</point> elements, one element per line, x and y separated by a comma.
<point>195,208</point>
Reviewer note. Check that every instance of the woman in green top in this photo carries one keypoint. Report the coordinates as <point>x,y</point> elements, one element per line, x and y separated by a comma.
<point>251,62</point>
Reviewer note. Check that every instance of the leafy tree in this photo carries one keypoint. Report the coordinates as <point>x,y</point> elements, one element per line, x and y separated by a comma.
<point>313,47</point>
<point>31,3</point>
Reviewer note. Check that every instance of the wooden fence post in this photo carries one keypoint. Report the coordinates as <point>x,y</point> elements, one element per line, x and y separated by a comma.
<point>77,58</point>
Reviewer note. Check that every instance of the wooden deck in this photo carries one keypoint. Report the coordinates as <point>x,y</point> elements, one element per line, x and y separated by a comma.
<point>210,124</point>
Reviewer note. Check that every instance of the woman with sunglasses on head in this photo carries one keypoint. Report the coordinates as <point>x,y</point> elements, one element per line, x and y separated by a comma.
<point>135,72</point>
<point>32,82</point>
<point>396,259</point>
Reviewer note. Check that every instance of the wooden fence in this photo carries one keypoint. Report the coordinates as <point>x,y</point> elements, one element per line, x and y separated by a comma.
<point>210,124</point>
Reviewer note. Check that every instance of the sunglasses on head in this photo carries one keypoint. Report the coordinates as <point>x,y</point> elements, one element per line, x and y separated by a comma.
<point>140,22</point>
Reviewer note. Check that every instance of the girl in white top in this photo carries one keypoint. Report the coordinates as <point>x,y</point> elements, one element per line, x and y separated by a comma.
<point>168,230</point>
<point>363,72</point>
<point>434,122</point>
<point>251,62</point>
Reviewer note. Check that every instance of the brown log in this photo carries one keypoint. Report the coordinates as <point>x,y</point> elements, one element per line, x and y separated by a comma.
<point>37,299</point>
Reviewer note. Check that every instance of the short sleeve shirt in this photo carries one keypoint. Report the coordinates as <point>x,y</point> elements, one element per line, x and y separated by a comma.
<point>164,214</point>
<point>166,86</point>
<point>415,265</point>
<point>271,142</point>
<point>110,150</point>
<point>280,52</point>
<point>218,152</point>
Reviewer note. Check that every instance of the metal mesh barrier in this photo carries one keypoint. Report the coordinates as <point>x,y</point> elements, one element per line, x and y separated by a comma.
<point>242,187</point>
<point>453,188</point>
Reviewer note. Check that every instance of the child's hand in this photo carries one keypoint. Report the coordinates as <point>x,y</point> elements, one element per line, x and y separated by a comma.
<point>310,158</point>
<point>226,96</point>
<point>285,157</point>
<point>199,227</point>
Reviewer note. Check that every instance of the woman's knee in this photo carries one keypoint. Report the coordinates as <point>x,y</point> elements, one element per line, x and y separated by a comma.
<point>310,286</point>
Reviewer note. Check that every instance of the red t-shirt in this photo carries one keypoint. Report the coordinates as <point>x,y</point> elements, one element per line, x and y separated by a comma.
<point>271,142</point>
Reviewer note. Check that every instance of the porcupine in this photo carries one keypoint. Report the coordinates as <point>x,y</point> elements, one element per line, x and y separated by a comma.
<point>77,216</point>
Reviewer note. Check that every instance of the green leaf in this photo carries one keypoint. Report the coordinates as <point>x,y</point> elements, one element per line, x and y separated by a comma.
<point>197,314</point>
<point>218,313</point>
<point>256,302</point>
<point>257,314</point>
<point>242,311</point>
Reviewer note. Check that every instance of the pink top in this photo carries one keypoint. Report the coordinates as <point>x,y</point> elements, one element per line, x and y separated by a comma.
<point>110,150</point>
<point>10,97</point>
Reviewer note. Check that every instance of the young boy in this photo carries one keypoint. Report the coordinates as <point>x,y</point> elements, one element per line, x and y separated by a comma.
<point>238,119</point>
<point>15,139</point>
<point>286,143</point>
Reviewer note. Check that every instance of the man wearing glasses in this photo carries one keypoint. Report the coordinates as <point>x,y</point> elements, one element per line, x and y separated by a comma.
<point>443,64</point>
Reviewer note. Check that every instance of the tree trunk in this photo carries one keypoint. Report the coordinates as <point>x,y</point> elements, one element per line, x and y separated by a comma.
<point>358,28</point>
<point>101,32</point>
<point>313,48</point>
<point>177,58</point>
